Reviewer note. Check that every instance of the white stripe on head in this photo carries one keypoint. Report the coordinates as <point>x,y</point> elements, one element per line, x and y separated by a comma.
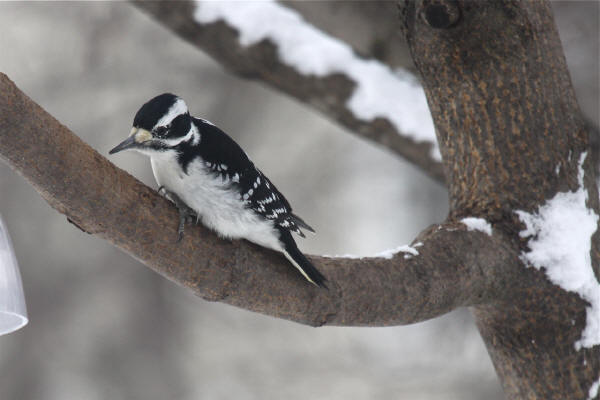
<point>192,135</point>
<point>178,108</point>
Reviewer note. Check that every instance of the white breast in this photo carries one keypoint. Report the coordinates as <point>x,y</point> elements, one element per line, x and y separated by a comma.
<point>219,206</point>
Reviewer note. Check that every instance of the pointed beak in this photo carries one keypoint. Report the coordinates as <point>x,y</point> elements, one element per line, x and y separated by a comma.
<point>124,145</point>
<point>136,136</point>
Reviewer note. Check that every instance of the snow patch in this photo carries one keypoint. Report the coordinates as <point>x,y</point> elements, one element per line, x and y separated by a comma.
<point>411,251</point>
<point>477,224</point>
<point>348,256</point>
<point>388,254</point>
<point>561,232</point>
<point>593,393</point>
<point>379,92</point>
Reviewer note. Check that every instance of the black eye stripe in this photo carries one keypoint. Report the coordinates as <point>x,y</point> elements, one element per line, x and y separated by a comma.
<point>161,131</point>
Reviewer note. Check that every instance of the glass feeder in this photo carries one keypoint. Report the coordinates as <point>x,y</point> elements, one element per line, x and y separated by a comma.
<point>13,312</point>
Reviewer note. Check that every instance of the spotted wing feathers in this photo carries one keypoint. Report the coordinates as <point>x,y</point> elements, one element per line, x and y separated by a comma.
<point>264,198</point>
<point>224,157</point>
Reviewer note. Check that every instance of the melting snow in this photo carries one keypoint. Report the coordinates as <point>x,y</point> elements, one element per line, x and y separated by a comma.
<point>477,224</point>
<point>411,251</point>
<point>379,92</point>
<point>594,390</point>
<point>560,242</point>
<point>404,249</point>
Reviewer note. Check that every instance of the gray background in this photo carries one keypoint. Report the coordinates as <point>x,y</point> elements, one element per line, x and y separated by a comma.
<point>103,326</point>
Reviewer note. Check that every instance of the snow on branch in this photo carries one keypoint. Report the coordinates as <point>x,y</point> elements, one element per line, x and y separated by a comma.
<point>593,392</point>
<point>268,41</point>
<point>477,224</point>
<point>561,239</point>
<point>379,92</point>
<point>409,252</point>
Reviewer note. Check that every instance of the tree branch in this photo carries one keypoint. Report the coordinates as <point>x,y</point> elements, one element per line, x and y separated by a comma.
<point>454,267</point>
<point>328,94</point>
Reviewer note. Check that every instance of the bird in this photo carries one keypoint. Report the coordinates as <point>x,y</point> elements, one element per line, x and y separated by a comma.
<point>207,175</point>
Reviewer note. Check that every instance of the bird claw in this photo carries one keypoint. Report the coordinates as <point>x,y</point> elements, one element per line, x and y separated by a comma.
<point>180,229</point>
<point>186,214</point>
<point>162,191</point>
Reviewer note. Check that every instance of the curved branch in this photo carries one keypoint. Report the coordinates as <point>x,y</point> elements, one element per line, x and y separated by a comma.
<point>328,94</point>
<point>454,267</point>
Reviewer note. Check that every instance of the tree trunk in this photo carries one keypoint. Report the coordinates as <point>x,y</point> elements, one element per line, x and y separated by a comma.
<point>506,116</point>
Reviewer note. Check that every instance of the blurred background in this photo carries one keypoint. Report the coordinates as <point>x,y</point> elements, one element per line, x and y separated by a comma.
<point>103,326</point>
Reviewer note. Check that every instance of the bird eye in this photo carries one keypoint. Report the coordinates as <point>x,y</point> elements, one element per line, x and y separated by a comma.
<point>160,131</point>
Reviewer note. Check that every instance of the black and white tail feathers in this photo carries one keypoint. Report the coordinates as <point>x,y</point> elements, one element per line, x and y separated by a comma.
<point>296,223</point>
<point>298,260</point>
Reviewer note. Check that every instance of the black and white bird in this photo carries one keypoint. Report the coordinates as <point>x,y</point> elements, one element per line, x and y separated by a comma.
<point>208,175</point>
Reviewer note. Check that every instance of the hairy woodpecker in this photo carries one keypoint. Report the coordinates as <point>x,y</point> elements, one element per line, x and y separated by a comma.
<point>208,175</point>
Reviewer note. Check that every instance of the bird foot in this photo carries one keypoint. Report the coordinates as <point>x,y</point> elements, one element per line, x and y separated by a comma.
<point>186,214</point>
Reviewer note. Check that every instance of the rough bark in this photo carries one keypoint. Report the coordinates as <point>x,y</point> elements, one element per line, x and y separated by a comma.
<point>506,116</point>
<point>328,95</point>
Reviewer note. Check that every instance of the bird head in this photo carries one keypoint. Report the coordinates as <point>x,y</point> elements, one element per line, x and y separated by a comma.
<point>159,125</point>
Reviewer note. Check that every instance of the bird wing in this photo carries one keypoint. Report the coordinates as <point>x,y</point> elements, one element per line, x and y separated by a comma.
<point>223,156</point>
<point>264,198</point>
